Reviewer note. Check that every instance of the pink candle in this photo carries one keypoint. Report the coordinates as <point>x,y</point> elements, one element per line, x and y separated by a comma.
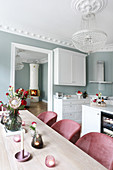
<point>50,161</point>
<point>23,123</point>
<point>17,138</point>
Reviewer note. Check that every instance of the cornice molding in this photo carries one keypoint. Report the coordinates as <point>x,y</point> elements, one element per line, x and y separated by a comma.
<point>108,47</point>
<point>40,37</point>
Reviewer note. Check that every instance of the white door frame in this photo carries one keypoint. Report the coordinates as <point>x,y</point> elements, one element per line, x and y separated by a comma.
<point>50,68</point>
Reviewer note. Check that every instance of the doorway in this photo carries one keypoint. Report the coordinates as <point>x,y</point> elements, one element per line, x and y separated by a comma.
<point>49,53</point>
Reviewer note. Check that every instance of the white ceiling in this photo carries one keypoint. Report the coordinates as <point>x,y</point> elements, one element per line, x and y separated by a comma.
<point>31,56</point>
<point>49,20</point>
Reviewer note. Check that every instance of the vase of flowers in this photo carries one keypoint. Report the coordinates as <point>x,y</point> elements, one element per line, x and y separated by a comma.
<point>17,101</point>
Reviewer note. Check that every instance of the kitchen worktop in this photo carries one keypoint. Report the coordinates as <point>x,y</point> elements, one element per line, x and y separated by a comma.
<point>73,97</point>
<point>107,108</point>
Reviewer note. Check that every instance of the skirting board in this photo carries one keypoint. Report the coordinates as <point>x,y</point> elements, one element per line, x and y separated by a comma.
<point>45,101</point>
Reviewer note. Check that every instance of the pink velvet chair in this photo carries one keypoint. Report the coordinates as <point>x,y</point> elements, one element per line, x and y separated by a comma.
<point>4,109</point>
<point>48,117</point>
<point>99,146</point>
<point>68,128</point>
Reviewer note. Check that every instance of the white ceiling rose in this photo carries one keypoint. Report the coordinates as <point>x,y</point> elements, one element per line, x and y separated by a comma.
<point>86,6</point>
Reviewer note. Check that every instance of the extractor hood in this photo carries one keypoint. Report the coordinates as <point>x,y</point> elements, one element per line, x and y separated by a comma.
<point>100,78</point>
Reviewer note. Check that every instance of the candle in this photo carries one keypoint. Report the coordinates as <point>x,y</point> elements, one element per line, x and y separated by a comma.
<point>17,138</point>
<point>22,140</point>
<point>36,143</point>
<point>50,161</point>
<point>23,123</point>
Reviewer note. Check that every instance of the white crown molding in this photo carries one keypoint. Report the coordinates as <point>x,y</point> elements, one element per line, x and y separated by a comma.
<point>58,41</point>
<point>107,48</point>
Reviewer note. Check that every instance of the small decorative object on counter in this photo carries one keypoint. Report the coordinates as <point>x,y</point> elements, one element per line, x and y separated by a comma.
<point>37,141</point>
<point>50,161</point>
<point>84,94</point>
<point>99,95</point>
<point>98,101</point>
<point>79,94</point>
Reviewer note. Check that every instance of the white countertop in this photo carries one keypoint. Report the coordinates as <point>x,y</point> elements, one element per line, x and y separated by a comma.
<point>73,97</point>
<point>107,109</point>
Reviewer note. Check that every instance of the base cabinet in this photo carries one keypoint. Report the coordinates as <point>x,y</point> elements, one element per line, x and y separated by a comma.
<point>91,120</point>
<point>69,109</point>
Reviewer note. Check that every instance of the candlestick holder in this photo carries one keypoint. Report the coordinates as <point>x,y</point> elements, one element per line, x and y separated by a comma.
<point>22,156</point>
<point>37,141</point>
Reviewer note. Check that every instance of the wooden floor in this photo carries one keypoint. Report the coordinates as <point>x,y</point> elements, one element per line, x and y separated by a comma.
<point>37,108</point>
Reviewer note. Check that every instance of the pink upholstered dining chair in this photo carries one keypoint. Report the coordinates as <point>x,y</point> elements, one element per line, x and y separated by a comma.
<point>4,109</point>
<point>68,128</point>
<point>48,117</point>
<point>99,146</point>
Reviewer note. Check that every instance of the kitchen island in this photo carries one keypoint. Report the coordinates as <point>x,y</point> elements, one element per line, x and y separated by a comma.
<point>93,119</point>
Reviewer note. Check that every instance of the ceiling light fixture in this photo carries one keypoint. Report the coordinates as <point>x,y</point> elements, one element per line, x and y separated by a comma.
<point>89,39</point>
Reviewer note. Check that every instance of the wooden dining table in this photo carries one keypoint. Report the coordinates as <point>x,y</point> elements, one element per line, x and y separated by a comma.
<point>66,154</point>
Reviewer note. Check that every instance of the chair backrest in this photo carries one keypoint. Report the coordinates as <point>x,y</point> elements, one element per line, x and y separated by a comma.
<point>99,146</point>
<point>68,128</point>
<point>48,117</point>
<point>4,109</point>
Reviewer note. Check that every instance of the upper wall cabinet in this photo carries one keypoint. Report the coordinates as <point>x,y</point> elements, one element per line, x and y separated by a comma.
<point>69,68</point>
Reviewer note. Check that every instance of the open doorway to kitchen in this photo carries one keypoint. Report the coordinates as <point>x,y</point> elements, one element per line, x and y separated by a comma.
<point>39,58</point>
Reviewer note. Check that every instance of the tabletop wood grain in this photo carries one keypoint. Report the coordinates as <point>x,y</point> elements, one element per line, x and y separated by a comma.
<point>67,155</point>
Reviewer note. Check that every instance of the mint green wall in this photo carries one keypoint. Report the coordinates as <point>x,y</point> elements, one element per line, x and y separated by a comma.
<point>44,81</point>
<point>5,62</point>
<point>105,89</point>
<point>5,58</point>
<point>22,77</point>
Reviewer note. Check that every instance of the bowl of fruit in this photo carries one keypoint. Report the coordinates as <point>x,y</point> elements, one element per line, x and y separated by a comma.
<point>79,94</point>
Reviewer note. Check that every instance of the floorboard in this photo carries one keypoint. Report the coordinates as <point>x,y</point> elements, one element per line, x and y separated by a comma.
<point>37,108</point>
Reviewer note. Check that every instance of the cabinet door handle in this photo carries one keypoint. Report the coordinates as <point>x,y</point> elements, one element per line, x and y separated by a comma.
<point>97,113</point>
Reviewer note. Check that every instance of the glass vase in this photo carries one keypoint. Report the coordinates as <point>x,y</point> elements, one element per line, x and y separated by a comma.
<point>13,122</point>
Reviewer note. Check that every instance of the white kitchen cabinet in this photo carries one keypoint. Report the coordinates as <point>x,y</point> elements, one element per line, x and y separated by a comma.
<point>69,68</point>
<point>91,120</point>
<point>69,108</point>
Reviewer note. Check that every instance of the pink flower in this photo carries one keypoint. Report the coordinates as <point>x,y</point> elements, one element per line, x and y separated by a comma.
<point>0,101</point>
<point>7,94</point>
<point>1,104</point>
<point>9,86</point>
